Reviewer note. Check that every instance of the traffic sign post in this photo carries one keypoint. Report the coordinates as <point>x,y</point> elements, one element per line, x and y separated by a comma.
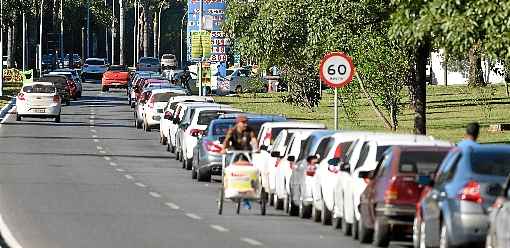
<point>336,70</point>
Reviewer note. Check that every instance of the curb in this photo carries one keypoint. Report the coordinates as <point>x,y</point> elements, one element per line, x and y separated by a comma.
<point>5,110</point>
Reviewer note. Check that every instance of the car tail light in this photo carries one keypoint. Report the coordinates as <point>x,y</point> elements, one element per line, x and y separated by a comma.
<point>391,193</point>
<point>498,203</point>
<point>21,97</point>
<point>56,98</point>
<point>471,192</point>
<point>85,65</point>
<point>213,146</point>
<point>310,170</point>
<point>195,132</point>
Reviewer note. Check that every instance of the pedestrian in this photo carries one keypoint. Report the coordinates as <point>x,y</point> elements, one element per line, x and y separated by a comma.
<point>471,136</point>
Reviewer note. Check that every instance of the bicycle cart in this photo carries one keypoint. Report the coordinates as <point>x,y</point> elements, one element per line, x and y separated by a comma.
<point>240,181</point>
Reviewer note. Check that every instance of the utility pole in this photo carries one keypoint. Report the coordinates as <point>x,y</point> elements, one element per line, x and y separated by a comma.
<point>24,40</point>
<point>200,93</point>
<point>121,32</point>
<point>62,31</point>
<point>1,48</point>
<point>135,35</point>
<point>88,28</point>
<point>40,39</point>
<point>182,39</point>
<point>113,32</point>
<point>106,38</point>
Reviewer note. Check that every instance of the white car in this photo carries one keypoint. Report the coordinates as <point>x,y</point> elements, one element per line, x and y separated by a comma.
<point>153,109</point>
<point>236,81</point>
<point>267,143</point>
<point>75,76</point>
<point>364,156</point>
<point>325,178</point>
<point>198,122</point>
<point>169,110</point>
<point>38,99</point>
<point>93,70</point>
<point>168,61</point>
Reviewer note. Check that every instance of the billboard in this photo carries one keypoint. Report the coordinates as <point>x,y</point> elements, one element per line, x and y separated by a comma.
<point>213,18</point>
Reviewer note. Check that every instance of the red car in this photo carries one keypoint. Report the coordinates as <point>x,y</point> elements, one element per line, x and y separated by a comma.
<point>388,204</point>
<point>117,76</point>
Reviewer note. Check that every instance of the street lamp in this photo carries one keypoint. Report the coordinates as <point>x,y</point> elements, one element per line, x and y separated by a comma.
<point>182,27</point>
<point>40,39</point>
<point>88,28</point>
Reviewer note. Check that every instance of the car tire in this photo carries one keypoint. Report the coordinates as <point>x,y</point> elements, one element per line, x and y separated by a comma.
<point>346,227</point>
<point>239,89</point>
<point>177,155</point>
<point>164,140</point>
<point>57,119</point>
<point>381,232</point>
<point>416,233</point>
<point>189,163</point>
<point>292,209</point>
<point>194,173</point>
<point>444,240</point>
<point>305,212</point>
<point>68,102</point>
<point>364,233</point>
<point>278,203</point>
<point>203,175</point>
<point>336,223</point>
<point>316,214</point>
<point>18,117</point>
<point>354,231</point>
<point>325,215</point>
<point>271,199</point>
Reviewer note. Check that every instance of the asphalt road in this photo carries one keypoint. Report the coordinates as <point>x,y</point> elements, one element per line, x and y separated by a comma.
<point>95,181</point>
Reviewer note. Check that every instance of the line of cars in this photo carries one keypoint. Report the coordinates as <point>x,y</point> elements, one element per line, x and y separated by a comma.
<point>374,187</point>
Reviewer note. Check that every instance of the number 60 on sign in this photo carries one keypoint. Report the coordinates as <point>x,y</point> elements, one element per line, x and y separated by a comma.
<point>336,69</point>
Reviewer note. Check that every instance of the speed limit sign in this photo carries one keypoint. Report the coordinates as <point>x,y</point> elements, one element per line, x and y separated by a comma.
<point>336,69</point>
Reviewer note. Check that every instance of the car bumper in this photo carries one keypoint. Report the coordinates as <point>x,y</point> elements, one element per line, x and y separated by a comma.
<point>213,162</point>
<point>398,214</point>
<point>34,111</point>
<point>92,76</point>
<point>469,228</point>
<point>115,83</point>
<point>153,119</point>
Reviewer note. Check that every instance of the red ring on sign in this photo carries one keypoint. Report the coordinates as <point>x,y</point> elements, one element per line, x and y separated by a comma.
<point>346,81</point>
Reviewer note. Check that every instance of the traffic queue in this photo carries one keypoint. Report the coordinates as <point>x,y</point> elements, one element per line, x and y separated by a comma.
<point>374,187</point>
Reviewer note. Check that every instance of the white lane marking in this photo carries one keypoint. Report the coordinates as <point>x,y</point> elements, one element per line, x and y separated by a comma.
<point>251,241</point>
<point>99,147</point>
<point>93,130</point>
<point>8,115</point>
<point>96,140</point>
<point>129,177</point>
<point>92,117</point>
<point>113,164</point>
<point>193,216</point>
<point>219,228</point>
<point>7,235</point>
<point>94,136</point>
<point>107,158</point>
<point>206,185</point>
<point>120,170</point>
<point>91,126</point>
<point>154,194</point>
<point>102,151</point>
<point>141,185</point>
<point>91,121</point>
<point>172,205</point>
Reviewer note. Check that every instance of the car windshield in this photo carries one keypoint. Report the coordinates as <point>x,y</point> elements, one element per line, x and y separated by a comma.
<point>421,162</point>
<point>151,61</point>
<point>39,88</point>
<point>491,163</point>
<point>205,117</point>
<point>95,62</point>
<point>118,68</point>
<point>229,72</point>
<point>163,97</point>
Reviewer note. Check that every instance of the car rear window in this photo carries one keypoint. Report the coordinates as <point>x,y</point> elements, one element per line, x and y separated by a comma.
<point>94,62</point>
<point>420,162</point>
<point>163,97</point>
<point>490,163</point>
<point>221,129</point>
<point>118,68</point>
<point>205,117</point>
<point>39,88</point>
<point>152,61</point>
<point>168,56</point>
<point>380,152</point>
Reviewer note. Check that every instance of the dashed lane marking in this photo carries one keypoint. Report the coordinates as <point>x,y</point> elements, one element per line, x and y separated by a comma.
<point>102,151</point>
<point>154,194</point>
<point>93,130</point>
<point>172,205</point>
<point>219,228</point>
<point>251,241</point>
<point>113,164</point>
<point>129,177</point>
<point>193,216</point>
<point>96,140</point>
<point>99,147</point>
<point>107,158</point>
<point>94,136</point>
<point>141,185</point>
<point>120,170</point>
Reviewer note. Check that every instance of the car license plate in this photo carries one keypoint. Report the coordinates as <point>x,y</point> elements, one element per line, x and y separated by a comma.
<point>39,110</point>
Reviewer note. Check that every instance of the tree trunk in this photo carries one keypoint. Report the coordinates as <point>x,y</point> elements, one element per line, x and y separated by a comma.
<point>376,109</point>
<point>419,88</point>
<point>121,32</point>
<point>475,66</point>
<point>156,37</point>
<point>148,34</point>
<point>10,46</point>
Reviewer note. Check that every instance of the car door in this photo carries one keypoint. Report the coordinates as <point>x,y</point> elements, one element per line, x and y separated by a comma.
<point>502,223</point>
<point>370,198</point>
<point>431,204</point>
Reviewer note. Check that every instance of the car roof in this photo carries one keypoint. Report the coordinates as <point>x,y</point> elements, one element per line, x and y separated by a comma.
<point>422,147</point>
<point>496,148</point>
<point>95,59</point>
<point>191,99</point>
<point>293,124</point>
<point>34,83</point>
<point>165,90</point>
<point>279,118</point>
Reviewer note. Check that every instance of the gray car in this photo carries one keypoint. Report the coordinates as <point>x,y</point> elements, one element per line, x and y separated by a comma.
<point>498,235</point>
<point>148,64</point>
<point>455,210</point>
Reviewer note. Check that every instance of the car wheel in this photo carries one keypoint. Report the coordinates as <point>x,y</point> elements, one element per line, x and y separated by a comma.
<point>364,233</point>
<point>194,173</point>
<point>346,227</point>
<point>177,155</point>
<point>204,175</point>
<point>381,232</point>
<point>271,199</point>
<point>325,215</point>
<point>68,102</point>
<point>278,203</point>
<point>164,141</point>
<point>293,210</point>
<point>316,214</point>
<point>336,223</point>
<point>304,211</point>
<point>422,237</point>
<point>354,231</point>
<point>57,119</point>
<point>416,233</point>
<point>18,117</point>
<point>444,241</point>
<point>239,89</point>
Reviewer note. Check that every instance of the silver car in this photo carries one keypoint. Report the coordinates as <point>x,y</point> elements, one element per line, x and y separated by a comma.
<point>148,64</point>
<point>498,235</point>
<point>168,61</point>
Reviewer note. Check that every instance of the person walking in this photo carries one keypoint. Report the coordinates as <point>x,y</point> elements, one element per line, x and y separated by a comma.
<point>471,136</point>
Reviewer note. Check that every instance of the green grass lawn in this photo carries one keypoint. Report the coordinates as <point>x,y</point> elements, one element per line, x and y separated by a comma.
<point>449,109</point>
<point>8,92</point>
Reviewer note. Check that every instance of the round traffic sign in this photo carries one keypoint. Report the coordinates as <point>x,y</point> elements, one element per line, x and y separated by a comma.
<point>336,69</point>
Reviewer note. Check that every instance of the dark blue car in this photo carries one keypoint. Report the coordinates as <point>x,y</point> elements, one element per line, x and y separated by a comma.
<point>207,157</point>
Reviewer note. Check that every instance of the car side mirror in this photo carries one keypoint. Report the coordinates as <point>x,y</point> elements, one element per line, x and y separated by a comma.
<point>168,115</point>
<point>263,147</point>
<point>334,161</point>
<point>196,132</point>
<point>275,154</point>
<point>345,167</point>
<point>366,174</point>
<point>424,180</point>
<point>291,158</point>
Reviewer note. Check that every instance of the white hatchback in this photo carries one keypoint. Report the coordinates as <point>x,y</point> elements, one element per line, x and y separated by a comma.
<point>40,100</point>
<point>153,110</point>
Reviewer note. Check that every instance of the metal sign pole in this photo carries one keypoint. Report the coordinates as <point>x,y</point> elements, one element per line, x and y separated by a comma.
<point>201,57</point>
<point>336,108</point>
